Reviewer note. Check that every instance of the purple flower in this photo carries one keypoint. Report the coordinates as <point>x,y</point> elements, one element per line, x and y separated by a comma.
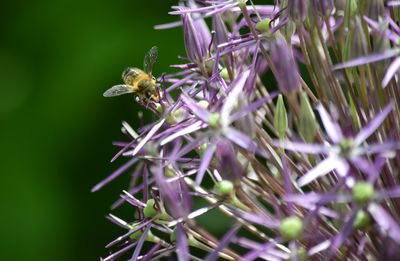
<point>209,149</point>
<point>342,151</point>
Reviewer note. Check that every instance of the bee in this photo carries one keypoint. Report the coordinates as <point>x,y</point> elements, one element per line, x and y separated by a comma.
<point>140,82</point>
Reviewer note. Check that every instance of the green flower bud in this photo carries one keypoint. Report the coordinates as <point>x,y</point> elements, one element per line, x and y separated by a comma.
<point>242,3</point>
<point>301,254</point>
<point>159,108</point>
<point>202,149</point>
<point>224,187</point>
<point>280,118</point>
<point>362,220</point>
<point>172,236</point>
<point>363,192</point>
<point>291,228</point>
<point>203,104</point>
<point>263,25</point>
<point>225,75</point>
<point>307,126</point>
<point>176,116</point>
<point>169,173</point>
<point>149,210</point>
<point>137,234</point>
<point>213,120</point>
<point>346,145</point>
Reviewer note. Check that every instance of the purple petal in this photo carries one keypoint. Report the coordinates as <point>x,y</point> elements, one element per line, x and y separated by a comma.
<point>301,147</point>
<point>381,148</point>
<point>323,168</point>
<point>203,114</point>
<point>251,107</point>
<point>393,68</point>
<point>182,247</point>
<point>114,175</point>
<point>240,139</point>
<point>260,219</point>
<point>126,146</point>
<point>255,253</point>
<point>132,200</point>
<point>344,233</point>
<point>168,25</point>
<point>130,232</point>
<point>319,247</point>
<point>189,129</point>
<point>388,193</point>
<point>224,242</point>
<point>236,88</point>
<point>373,124</point>
<point>392,36</point>
<point>385,221</point>
<point>194,9</point>
<point>376,57</point>
<point>140,243</point>
<point>149,255</point>
<point>332,129</point>
<point>191,146</point>
<point>117,221</point>
<point>180,83</point>
<point>148,137</point>
<point>206,159</point>
<point>119,252</point>
<point>315,198</point>
<point>194,214</point>
<point>365,166</point>
<point>221,10</point>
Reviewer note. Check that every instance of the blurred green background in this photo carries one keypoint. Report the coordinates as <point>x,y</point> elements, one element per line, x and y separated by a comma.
<point>56,60</point>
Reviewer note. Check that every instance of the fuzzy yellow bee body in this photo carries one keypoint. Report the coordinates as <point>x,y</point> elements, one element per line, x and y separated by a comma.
<point>140,82</point>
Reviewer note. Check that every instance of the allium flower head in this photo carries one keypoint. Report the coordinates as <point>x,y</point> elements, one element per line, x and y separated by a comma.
<point>305,169</point>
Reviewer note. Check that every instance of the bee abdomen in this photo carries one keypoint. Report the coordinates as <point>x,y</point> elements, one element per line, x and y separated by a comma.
<point>130,75</point>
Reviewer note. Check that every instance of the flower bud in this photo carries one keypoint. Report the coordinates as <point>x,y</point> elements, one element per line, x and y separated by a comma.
<point>291,228</point>
<point>323,7</point>
<point>286,73</point>
<point>362,220</point>
<point>136,235</point>
<point>150,210</point>
<point>307,127</point>
<point>297,10</point>
<point>359,45</point>
<point>221,32</point>
<point>280,118</point>
<point>362,192</point>
<point>197,37</point>
<point>214,119</point>
<point>224,188</point>
<point>203,104</point>
<point>228,165</point>
<point>373,8</point>
<point>263,25</point>
<point>176,200</point>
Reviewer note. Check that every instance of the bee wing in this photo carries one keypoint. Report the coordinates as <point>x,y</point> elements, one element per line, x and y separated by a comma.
<point>117,90</point>
<point>149,59</point>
